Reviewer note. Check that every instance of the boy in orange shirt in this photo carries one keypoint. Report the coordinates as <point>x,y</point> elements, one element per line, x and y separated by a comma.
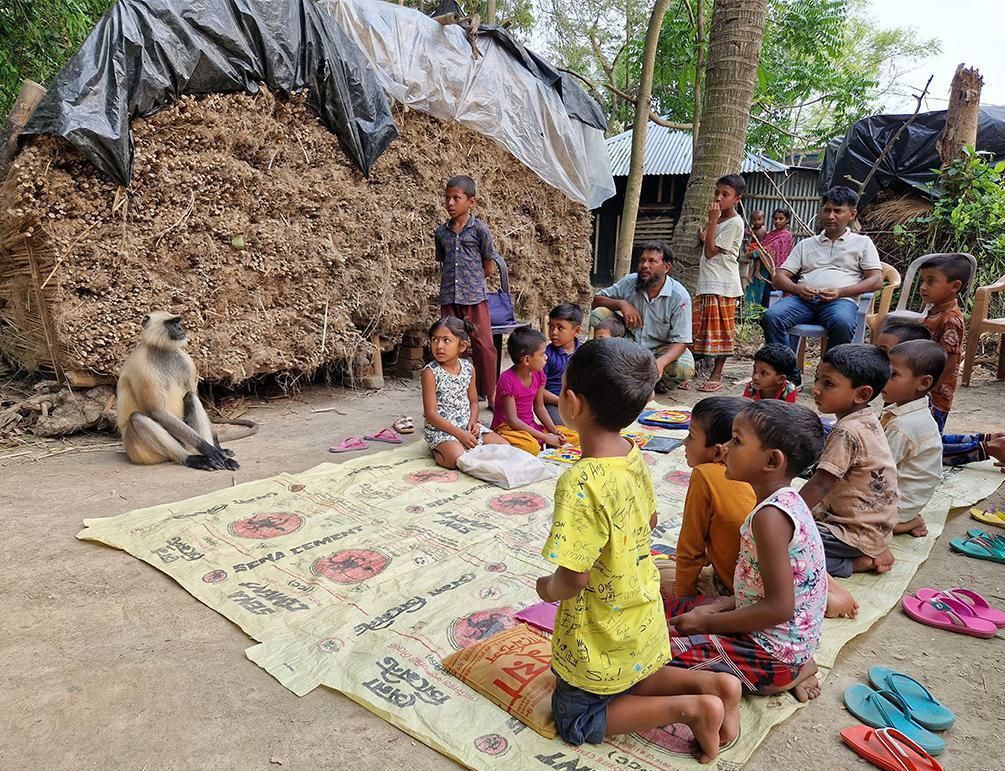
<point>715,507</point>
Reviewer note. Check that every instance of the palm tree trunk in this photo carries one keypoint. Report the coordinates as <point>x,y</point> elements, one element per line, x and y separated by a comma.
<point>633,185</point>
<point>734,48</point>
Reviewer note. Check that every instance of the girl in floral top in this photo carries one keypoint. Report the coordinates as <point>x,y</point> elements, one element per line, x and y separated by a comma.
<point>768,632</point>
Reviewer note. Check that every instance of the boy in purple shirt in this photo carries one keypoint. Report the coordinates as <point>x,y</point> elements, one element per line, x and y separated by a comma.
<point>465,251</point>
<point>564,324</point>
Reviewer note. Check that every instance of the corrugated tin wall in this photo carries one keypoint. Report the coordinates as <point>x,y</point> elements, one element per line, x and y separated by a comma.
<point>795,189</point>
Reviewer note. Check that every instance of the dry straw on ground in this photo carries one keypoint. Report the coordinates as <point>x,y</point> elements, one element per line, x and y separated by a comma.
<point>245,216</point>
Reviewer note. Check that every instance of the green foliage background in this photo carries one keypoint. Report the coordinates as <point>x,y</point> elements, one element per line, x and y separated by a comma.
<point>38,36</point>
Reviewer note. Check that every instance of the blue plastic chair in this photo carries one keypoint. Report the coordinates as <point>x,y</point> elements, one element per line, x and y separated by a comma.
<point>803,331</point>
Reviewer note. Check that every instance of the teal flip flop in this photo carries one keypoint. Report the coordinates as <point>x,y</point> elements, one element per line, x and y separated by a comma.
<point>997,540</point>
<point>979,547</point>
<point>926,710</point>
<point>886,709</point>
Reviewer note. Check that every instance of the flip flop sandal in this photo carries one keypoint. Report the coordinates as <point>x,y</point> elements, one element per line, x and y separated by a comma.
<point>889,749</point>
<point>995,517</point>
<point>927,711</point>
<point>997,541</point>
<point>349,444</point>
<point>979,606</point>
<point>386,435</point>
<point>946,613</point>
<point>404,425</point>
<point>885,709</point>
<point>979,547</point>
<point>708,387</point>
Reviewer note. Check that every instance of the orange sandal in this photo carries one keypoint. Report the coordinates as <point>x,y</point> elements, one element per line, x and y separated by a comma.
<point>888,748</point>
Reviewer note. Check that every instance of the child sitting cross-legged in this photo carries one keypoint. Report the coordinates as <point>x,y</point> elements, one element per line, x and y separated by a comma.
<point>610,644</point>
<point>715,506</point>
<point>853,493</point>
<point>769,631</point>
<point>519,400</point>
<point>913,435</point>
<point>449,398</point>
<point>773,365</point>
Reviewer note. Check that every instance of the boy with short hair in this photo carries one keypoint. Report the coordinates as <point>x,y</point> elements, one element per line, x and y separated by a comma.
<point>894,332</point>
<point>610,643</point>
<point>465,250</point>
<point>913,436</point>
<point>714,309</point>
<point>612,327</point>
<point>853,493</point>
<point>773,365</point>
<point>564,324</point>
<point>942,279</point>
<point>715,506</point>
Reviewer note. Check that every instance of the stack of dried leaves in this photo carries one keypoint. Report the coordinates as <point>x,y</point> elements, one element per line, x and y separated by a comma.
<point>245,216</point>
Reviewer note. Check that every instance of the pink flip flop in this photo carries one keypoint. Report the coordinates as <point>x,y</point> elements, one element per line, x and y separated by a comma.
<point>349,444</point>
<point>946,613</point>
<point>977,604</point>
<point>387,435</point>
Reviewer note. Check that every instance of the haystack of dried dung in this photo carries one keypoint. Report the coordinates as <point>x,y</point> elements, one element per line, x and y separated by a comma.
<point>245,216</point>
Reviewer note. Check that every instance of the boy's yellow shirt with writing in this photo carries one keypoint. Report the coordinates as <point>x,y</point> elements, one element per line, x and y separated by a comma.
<point>612,634</point>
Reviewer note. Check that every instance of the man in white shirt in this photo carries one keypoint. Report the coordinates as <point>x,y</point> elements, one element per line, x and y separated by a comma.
<point>824,275</point>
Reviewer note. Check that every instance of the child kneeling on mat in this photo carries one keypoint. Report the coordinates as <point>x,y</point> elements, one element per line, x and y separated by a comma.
<point>519,403</point>
<point>610,644</point>
<point>768,632</point>
<point>449,398</point>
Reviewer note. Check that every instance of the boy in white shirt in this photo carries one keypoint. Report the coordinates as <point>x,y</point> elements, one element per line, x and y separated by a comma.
<point>719,279</point>
<point>914,437</point>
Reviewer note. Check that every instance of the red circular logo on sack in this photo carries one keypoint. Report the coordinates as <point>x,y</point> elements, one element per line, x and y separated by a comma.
<point>270,524</point>
<point>480,625</point>
<point>351,566</point>
<point>676,739</point>
<point>215,576</point>
<point>679,478</point>
<point>517,503</point>
<point>431,475</point>
<point>296,488</point>
<point>491,744</point>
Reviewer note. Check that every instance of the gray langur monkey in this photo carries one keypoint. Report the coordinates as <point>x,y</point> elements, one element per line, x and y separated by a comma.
<point>160,416</point>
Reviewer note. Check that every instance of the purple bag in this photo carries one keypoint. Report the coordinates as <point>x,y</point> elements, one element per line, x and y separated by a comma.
<point>501,311</point>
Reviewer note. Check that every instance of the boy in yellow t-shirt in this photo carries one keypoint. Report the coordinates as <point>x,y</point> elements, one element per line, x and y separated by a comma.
<point>611,641</point>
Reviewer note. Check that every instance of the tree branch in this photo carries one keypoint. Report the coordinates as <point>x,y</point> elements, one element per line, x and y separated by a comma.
<point>779,129</point>
<point>629,98</point>
<point>893,140</point>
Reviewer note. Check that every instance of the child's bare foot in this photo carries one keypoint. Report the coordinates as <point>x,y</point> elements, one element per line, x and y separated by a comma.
<point>840,602</point>
<point>729,691</point>
<point>916,527</point>
<point>881,564</point>
<point>705,721</point>
<point>806,687</point>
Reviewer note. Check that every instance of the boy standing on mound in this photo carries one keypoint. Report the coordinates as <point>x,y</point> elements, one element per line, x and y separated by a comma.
<point>610,644</point>
<point>465,251</point>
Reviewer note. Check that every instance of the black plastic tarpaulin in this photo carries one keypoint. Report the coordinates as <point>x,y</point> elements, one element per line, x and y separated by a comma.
<point>145,54</point>
<point>913,159</point>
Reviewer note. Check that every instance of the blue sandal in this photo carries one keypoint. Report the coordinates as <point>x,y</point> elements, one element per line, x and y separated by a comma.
<point>886,709</point>
<point>982,547</point>
<point>926,710</point>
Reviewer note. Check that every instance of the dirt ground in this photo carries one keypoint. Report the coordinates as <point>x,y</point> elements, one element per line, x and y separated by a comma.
<point>107,663</point>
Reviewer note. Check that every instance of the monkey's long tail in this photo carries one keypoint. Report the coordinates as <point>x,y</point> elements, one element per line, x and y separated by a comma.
<point>250,429</point>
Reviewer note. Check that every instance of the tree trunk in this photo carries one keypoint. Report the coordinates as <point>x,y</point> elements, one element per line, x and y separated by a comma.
<point>734,48</point>
<point>27,100</point>
<point>490,12</point>
<point>643,101</point>
<point>962,115</point>
<point>699,71</point>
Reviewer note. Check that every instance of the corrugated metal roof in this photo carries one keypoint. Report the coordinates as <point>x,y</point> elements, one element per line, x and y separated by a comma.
<point>668,151</point>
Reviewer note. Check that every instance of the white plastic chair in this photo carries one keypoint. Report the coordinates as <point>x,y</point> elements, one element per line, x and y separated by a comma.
<point>901,312</point>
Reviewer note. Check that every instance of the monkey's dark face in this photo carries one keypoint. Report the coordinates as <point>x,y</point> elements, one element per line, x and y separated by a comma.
<point>175,330</point>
